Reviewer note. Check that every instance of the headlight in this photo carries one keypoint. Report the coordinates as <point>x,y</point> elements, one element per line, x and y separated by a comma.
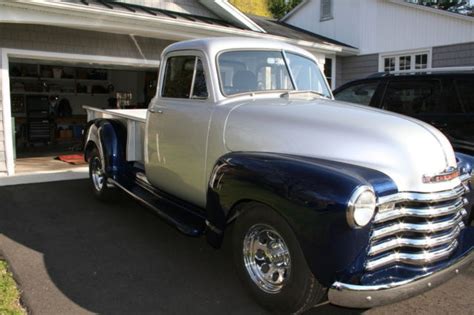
<point>361,207</point>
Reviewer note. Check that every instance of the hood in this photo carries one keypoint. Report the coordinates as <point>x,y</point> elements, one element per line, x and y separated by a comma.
<point>404,148</point>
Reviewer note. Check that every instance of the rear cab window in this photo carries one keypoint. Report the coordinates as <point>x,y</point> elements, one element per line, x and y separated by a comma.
<point>184,78</point>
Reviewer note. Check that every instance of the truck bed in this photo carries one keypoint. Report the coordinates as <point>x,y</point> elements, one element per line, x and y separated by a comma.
<point>133,119</point>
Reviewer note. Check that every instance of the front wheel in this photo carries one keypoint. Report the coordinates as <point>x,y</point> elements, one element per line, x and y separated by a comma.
<point>98,178</point>
<point>271,263</point>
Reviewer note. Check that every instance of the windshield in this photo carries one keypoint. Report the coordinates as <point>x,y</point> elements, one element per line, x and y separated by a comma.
<point>259,71</point>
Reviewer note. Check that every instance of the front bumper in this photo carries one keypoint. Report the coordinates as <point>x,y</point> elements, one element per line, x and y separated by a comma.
<point>360,296</point>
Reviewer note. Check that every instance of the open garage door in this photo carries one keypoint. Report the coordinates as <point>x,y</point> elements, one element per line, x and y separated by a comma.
<point>46,107</point>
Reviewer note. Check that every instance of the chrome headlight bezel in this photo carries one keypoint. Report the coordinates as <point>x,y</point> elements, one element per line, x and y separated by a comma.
<point>357,215</point>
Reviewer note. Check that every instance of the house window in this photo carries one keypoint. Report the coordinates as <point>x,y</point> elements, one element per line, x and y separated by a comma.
<point>326,10</point>
<point>389,64</point>
<point>405,62</point>
<point>421,61</point>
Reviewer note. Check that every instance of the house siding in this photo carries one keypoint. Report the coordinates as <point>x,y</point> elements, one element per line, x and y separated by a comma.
<point>453,55</point>
<point>355,67</point>
<point>63,40</point>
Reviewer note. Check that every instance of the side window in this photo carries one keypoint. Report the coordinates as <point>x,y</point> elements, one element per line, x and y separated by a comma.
<point>180,73</point>
<point>465,89</point>
<point>200,87</point>
<point>415,97</point>
<point>359,93</point>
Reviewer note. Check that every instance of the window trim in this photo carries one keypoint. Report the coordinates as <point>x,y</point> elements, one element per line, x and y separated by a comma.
<point>404,53</point>
<point>328,16</point>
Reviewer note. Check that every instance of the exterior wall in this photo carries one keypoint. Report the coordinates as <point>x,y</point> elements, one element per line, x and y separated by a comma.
<point>308,17</point>
<point>355,67</point>
<point>377,26</point>
<point>56,39</point>
<point>453,55</point>
<point>184,6</point>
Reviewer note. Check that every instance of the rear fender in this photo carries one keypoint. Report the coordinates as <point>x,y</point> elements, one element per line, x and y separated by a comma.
<point>110,138</point>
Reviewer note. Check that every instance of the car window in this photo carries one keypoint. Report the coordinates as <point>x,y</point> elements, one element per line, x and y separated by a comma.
<point>307,74</point>
<point>465,89</point>
<point>178,78</point>
<point>253,71</point>
<point>200,87</point>
<point>359,93</point>
<point>412,97</point>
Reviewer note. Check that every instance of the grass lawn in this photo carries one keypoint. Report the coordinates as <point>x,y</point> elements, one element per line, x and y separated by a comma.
<point>9,294</point>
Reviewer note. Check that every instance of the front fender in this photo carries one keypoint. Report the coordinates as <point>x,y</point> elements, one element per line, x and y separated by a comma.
<point>310,194</point>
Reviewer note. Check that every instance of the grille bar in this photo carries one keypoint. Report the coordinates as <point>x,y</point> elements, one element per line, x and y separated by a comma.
<point>420,259</point>
<point>424,242</point>
<point>417,228</point>
<point>427,227</point>
<point>428,212</point>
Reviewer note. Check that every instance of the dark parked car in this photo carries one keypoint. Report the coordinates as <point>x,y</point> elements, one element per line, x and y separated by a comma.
<point>443,99</point>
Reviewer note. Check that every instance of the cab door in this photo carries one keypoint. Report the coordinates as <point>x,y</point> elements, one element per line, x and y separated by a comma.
<point>177,128</point>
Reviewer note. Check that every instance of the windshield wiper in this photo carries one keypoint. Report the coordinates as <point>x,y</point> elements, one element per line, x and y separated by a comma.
<point>304,92</point>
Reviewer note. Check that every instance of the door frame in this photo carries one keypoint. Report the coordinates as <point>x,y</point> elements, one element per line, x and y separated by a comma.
<point>7,53</point>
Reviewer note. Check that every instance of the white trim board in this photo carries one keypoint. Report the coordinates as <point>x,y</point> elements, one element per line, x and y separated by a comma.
<point>43,177</point>
<point>6,53</point>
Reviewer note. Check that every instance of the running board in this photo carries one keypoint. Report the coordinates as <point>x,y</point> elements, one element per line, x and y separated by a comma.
<point>186,220</point>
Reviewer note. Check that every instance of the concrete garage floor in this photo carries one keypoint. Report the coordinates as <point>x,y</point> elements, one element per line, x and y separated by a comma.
<point>74,255</point>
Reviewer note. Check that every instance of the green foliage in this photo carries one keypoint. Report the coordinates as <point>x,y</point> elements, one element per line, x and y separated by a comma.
<point>9,295</point>
<point>279,8</point>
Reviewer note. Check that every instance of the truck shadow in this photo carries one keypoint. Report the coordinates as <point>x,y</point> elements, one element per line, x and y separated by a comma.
<point>119,258</point>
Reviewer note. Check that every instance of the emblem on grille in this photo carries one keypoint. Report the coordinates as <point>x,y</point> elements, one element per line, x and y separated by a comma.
<point>445,176</point>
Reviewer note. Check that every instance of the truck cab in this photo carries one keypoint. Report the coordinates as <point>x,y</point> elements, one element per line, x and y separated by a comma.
<point>368,206</point>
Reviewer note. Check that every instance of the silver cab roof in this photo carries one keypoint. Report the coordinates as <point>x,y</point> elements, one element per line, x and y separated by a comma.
<point>212,46</point>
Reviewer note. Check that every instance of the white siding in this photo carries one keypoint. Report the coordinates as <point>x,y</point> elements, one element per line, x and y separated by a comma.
<point>376,26</point>
<point>344,26</point>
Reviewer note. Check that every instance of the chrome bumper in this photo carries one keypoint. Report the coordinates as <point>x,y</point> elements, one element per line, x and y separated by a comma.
<point>359,296</point>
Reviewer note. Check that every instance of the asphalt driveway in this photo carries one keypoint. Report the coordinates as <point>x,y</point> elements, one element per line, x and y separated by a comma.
<point>74,255</point>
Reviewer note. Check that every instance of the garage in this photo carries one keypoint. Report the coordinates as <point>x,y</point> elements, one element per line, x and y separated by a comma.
<point>46,106</point>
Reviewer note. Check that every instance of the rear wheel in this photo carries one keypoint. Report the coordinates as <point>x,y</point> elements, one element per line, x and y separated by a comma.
<point>271,263</point>
<point>98,178</point>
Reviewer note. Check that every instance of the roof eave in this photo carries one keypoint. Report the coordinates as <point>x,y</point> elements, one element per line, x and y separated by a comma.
<point>79,17</point>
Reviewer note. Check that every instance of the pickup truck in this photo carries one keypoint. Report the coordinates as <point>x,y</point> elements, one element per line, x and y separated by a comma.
<point>321,199</point>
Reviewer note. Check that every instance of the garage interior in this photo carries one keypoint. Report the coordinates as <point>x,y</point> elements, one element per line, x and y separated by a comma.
<point>46,104</point>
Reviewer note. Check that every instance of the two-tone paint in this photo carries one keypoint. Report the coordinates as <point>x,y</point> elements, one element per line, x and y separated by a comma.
<point>303,157</point>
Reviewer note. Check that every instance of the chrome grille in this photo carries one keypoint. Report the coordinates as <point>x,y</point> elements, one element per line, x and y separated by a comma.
<point>417,228</point>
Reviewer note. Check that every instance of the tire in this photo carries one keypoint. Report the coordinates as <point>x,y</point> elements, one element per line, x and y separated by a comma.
<point>292,289</point>
<point>98,178</point>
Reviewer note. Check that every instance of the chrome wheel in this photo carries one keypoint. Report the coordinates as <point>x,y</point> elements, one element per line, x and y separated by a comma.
<point>97,174</point>
<point>266,258</point>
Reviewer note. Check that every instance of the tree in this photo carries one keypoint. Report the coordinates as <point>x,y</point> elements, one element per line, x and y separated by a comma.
<point>280,8</point>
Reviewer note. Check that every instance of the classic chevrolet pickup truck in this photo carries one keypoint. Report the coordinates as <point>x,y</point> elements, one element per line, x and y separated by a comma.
<point>321,199</point>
